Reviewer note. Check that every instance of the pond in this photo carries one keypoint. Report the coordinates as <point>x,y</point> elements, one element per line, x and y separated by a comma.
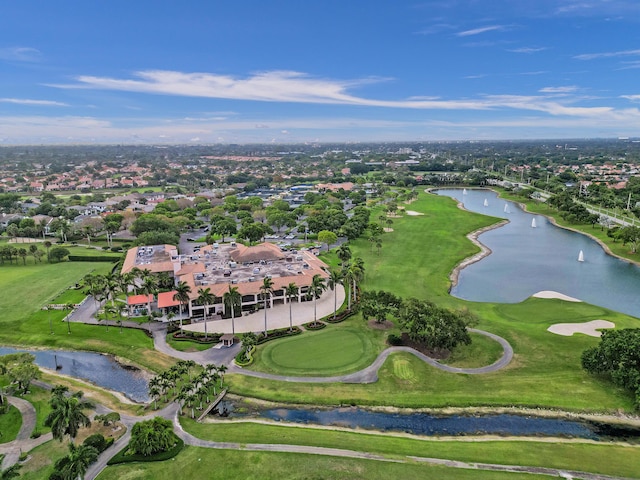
<point>530,254</point>
<point>431,425</point>
<point>101,370</point>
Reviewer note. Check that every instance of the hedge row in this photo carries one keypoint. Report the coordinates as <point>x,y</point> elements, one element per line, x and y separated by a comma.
<point>245,358</point>
<point>93,258</point>
<point>197,338</point>
<point>314,325</point>
<point>279,333</point>
<point>122,457</point>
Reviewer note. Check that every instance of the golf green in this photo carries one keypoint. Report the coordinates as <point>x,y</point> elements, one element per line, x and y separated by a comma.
<point>322,353</point>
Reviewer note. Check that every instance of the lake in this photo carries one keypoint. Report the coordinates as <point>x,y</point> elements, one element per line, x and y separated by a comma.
<point>526,260</point>
<point>101,370</point>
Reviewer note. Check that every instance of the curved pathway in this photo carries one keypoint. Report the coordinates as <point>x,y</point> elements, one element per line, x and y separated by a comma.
<point>370,374</point>
<point>23,441</point>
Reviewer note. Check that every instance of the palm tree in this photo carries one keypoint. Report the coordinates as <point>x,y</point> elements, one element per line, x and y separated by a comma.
<point>221,370</point>
<point>182,295</point>
<point>266,289</point>
<point>66,416</point>
<point>315,291</point>
<point>231,300</point>
<point>344,253</point>
<point>335,279</point>
<point>76,464</point>
<point>47,244</point>
<point>149,288</point>
<point>205,297</point>
<point>154,392</point>
<point>291,291</point>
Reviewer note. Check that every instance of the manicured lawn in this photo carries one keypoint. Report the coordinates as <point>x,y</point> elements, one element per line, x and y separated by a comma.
<point>10,423</point>
<point>598,458</point>
<point>242,465</point>
<point>482,351</point>
<point>337,349</point>
<point>26,288</point>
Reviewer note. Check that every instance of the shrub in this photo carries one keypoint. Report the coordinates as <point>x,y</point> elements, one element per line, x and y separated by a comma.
<point>122,457</point>
<point>98,442</point>
<point>393,339</point>
<point>116,249</point>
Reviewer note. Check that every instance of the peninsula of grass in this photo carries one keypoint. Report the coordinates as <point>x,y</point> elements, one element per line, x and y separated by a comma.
<point>570,454</point>
<point>336,350</point>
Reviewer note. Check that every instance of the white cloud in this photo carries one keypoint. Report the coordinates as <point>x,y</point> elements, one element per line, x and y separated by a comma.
<point>633,98</point>
<point>621,53</point>
<point>26,101</point>
<point>20,54</point>
<point>527,49</point>
<point>477,31</point>
<point>565,89</point>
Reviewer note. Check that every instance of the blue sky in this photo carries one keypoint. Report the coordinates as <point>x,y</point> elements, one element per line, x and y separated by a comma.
<point>289,71</point>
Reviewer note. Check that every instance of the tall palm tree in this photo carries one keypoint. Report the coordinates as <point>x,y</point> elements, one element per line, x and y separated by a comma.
<point>231,300</point>
<point>315,291</point>
<point>76,464</point>
<point>149,288</point>
<point>344,253</point>
<point>266,289</point>
<point>66,416</point>
<point>205,297</point>
<point>47,245</point>
<point>182,295</point>
<point>335,279</point>
<point>291,291</point>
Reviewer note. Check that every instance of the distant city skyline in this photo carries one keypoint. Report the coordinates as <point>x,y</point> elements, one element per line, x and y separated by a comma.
<point>332,71</point>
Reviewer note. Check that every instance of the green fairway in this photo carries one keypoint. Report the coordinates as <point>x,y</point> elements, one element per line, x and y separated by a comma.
<point>602,458</point>
<point>242,465</point>
<point>331,351</point>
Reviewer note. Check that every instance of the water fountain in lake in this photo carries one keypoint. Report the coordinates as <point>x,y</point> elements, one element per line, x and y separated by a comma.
<point>486,202</point>
<point>581,256</point>
<point>464,191</point>
<point>506,208</point>
<point>533,223</point>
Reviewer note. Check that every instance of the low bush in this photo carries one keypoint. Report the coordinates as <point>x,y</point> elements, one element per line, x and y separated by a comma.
<point>98,441</point>
<point>123,457</point>
<point>394,340</point>
<point>197,337</point>
<point>93,258</point>
<point>245,357</point>
<point>279,333</point>
<point>314,325</point>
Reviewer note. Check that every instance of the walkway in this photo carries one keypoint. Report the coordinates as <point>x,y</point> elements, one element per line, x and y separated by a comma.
<point>370,374</point>
<point>23,441</point>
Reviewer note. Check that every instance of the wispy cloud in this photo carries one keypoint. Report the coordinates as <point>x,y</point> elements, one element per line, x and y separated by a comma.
<point>296,87</point>
<point>527,50</point>
<point>633,98</point>
<point>565,89</point>
<point>27,101</point>
<point>621,53</point>
<point>478,31</point>
<point>20,54</point>
<point>436,28</point>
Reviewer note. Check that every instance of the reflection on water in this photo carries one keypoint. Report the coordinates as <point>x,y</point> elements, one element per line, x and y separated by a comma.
<point>101,370</point>
<point>526,260</point>
<point>426,424</point>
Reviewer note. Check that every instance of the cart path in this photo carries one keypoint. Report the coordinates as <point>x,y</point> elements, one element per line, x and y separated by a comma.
<point>370,374</point>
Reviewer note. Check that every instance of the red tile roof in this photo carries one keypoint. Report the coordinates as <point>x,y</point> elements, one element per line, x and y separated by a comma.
<point>139,299</point>
<point>165,299</point>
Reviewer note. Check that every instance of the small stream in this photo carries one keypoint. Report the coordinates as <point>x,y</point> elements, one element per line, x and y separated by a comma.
<point>101,370</point>
<point>442,425</point>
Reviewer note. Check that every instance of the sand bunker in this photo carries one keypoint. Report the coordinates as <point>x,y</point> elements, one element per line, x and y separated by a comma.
<point>552,294</point>
<point>413,214</point>
<point>388,229</point>
<point>588,328</point>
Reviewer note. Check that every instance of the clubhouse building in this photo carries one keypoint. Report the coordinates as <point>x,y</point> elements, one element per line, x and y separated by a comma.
<point>220,266</point>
